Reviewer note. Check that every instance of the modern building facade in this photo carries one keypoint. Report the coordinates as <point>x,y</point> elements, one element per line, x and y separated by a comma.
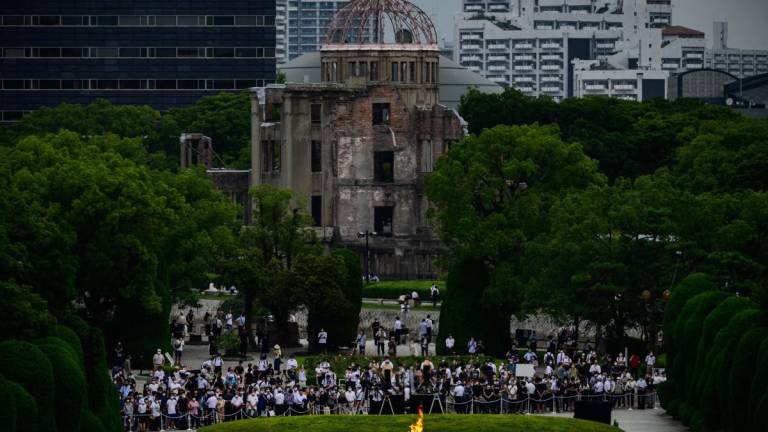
<point>560,47</point>
<point>531,44</point>
<point>358,144</point>
<point>301,26</point>
<point>163,53</point>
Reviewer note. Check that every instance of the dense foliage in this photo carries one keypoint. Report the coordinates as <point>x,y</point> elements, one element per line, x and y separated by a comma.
<point>278,264</point>
<point>592,208</point>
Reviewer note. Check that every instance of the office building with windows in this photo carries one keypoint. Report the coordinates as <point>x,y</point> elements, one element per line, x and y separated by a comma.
<point>301,26</point>
<point>532,44</point>
<point>163,53</point>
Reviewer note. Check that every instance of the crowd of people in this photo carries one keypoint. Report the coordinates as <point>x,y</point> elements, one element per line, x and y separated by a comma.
<point>185,398</point>
<point>180,397</point>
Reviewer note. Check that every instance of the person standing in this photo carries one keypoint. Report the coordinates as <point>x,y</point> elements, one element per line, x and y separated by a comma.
<point>322,341</point>
<point>381,338</point>
<point>472,346</point>
<point>158,359</point>
<point>450,343</point>
<point>178,350</point>
<point>360,341</point>
<point>398,327</point>
<point>429,323</point>
<point>434,293</point>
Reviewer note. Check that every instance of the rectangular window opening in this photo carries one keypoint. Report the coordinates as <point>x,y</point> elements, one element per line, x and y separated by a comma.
<point>317,156</point>
<point>384,166</point>
<point>381,114</point>
<point>317,209</point>
<point>382,221</point>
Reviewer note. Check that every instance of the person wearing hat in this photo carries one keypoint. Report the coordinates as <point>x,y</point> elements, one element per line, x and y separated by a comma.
<point>158,359</point>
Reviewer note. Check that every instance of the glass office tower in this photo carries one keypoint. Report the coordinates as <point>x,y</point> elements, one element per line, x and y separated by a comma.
<point>163,53</point>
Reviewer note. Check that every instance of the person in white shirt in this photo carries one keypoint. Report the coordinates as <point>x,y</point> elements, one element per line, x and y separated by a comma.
<point>398,327</point>
<point>450,342</point>
<point>237,404</point>
<point>158,359</point>
<point>650,360</point>
<point>322,340</point>
<point>472,346</point>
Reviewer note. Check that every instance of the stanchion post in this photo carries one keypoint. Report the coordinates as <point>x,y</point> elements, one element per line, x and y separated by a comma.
<point>501,405</point>
<point>162,428</point>
<point>189,421</point>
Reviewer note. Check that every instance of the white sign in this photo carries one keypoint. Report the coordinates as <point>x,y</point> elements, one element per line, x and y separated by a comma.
<point>524,370</point>
<point>170,358</point>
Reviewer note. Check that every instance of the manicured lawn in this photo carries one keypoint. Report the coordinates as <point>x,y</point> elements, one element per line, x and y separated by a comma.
<point>426,306</point>
<point>393,289</point>
<point>433,423</point>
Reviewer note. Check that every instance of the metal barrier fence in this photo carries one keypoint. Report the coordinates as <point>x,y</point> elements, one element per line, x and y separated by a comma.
<point>502,405</point>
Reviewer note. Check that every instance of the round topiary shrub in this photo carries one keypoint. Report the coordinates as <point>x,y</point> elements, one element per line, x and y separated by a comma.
<point>697,422</point>
<point>742,371</point>
<point>26,406</point>
<point>667,392</point>
<point>759,380</point>
<point>91,423</point>
<point>16,358</point>
<point>70,337</point>
<point>686,412</point>
<point>8,411</point>
<point>691,286</point>
<point>713,323</point>
<point>759,417</point>
<point>71,388</point>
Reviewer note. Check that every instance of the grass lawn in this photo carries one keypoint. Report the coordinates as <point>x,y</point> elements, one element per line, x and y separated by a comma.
<point>424,307</point>
<point>433,423</point>
<point>393,289</point>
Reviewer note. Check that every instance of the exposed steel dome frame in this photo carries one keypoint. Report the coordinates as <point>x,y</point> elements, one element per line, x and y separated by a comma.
<point>364,22</point>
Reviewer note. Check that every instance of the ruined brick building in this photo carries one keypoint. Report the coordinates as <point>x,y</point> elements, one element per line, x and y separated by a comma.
<point>359,144</point>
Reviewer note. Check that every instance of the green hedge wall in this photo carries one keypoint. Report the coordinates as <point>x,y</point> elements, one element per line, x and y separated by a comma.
<point>392,290</point>
<point>69,382</point>
<point>715,346</point>
<point>26,406</point>
<point>31,368</point>
<point>8,411</point>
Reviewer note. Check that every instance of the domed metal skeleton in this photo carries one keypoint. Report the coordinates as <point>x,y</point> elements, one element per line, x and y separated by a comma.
<point>381,22</point>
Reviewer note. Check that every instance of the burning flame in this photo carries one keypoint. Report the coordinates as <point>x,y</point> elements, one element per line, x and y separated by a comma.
<point>419,425</point>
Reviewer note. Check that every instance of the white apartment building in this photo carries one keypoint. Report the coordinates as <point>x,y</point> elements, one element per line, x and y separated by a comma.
<point>301,26</point>
<point>738,62</point>
<point>532,44</point>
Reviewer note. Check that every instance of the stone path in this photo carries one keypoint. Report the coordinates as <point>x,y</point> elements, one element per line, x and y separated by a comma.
<point>651,420</point>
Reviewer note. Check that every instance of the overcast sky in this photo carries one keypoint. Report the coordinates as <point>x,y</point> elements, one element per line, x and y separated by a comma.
<point>747,19</point>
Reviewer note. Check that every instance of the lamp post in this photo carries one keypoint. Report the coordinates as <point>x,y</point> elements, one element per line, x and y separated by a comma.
<point>367,234</point>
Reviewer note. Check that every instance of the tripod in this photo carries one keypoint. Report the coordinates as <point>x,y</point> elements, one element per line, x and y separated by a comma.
<point>388,402</point>
<point>436,398</point>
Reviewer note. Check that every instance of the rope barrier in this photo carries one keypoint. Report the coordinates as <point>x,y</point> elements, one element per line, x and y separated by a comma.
<point>499,405</point>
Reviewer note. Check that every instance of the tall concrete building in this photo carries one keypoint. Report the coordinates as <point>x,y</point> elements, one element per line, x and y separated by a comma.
<point>531,44</point>
<point>358,144</point>
<point>301,25</point>
<point>163,53</point>
<point>618,48</point>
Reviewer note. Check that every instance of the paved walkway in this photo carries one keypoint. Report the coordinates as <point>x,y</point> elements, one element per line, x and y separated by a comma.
<point>651,420</point>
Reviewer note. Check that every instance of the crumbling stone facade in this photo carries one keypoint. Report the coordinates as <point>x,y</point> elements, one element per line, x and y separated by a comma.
<point>358,146</point>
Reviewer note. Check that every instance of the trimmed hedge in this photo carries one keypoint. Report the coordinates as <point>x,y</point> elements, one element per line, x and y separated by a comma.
<point>102,396</point>
<point>70,337</point>
<point>26,406</point>
<point>716,343</point>
<point>8,410</point>
<point>743,370</point>
<point>30,367</point>
<point>392,290</point>
<point>91,423</point>
<point>69,383</point>
<point>759,382</point>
